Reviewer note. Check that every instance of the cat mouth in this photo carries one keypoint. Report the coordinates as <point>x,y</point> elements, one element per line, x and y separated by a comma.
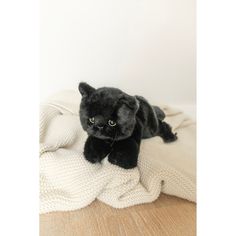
<point>102,136</point>
<point>99,134</point>
<point>112,137</point>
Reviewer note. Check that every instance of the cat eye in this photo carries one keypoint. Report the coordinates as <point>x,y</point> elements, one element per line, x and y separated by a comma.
<point>111,123</point>
<point>92,120</point>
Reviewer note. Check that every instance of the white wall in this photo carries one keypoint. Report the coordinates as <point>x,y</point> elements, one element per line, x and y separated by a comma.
<point>145,47</point>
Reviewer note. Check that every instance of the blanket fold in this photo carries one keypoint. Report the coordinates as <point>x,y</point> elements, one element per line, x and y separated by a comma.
<point>69,182</point>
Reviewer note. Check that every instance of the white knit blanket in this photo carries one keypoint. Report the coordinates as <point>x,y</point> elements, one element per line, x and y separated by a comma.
<point>69,182</point>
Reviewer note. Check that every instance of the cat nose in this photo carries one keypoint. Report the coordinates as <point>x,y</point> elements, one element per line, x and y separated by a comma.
<point>99,122</point>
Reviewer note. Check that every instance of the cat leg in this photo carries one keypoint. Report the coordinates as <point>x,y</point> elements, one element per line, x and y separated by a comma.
<point>96,149</point>
<point>159,113</point>
<point>125,152</point>
<point>165,132</point>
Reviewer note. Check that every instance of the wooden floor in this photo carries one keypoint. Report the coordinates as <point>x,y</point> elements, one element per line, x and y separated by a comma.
<point>166,216</point>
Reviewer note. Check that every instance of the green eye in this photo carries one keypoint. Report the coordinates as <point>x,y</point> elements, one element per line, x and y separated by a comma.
<point>92,120</point>
<point>111,123</point>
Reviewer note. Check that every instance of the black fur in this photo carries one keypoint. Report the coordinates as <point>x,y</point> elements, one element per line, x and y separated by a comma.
<point>116,122</point>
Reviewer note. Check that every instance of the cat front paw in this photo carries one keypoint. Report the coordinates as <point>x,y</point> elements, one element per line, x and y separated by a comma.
<point>122,160</point>
<point>95,150</point>
<point>92,158</point>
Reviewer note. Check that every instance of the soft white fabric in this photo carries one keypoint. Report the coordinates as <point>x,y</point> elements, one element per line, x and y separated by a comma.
<point>69,182</point>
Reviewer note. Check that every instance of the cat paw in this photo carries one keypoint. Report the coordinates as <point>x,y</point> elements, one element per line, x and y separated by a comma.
<point>95,150</point>
<point>170,137</point>
<point>166,132</point>
<point>92,158</point>
<point>122,160</point>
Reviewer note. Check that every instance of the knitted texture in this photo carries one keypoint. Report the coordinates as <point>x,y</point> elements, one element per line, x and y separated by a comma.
<point>69,182</point>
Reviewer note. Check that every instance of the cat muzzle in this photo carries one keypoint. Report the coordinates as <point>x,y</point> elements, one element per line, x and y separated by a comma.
<point>99,127</point>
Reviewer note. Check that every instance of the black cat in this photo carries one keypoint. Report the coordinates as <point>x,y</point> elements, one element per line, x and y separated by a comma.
<point>116,122</point>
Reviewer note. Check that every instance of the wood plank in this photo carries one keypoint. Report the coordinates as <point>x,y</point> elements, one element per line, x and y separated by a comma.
<point>166,216</point>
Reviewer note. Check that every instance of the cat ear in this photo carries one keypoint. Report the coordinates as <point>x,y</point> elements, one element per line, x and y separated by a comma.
<point>85,89</point>
<point>131,102</point>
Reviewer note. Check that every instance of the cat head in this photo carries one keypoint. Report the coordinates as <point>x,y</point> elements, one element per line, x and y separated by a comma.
<point>107,113</point>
